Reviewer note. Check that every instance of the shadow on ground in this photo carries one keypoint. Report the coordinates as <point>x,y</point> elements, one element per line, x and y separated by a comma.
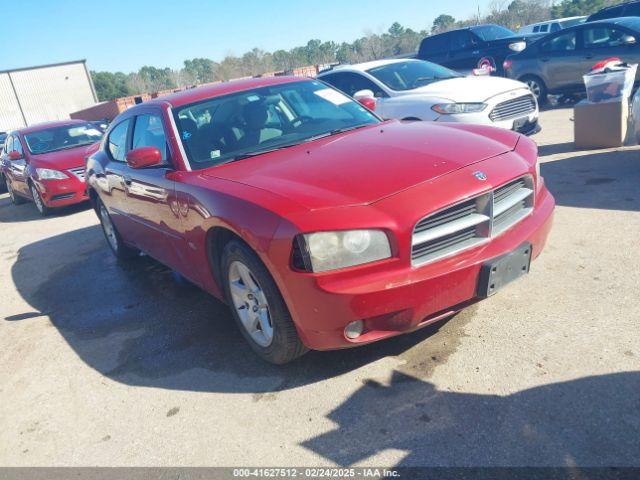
<point>593,421</point>
<point>10,213</point>
<point>607,180</point>
<point>136,324</point>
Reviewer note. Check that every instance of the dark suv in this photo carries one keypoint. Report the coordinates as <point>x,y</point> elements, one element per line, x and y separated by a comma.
<point>629,9</point>
<point>473,47</point>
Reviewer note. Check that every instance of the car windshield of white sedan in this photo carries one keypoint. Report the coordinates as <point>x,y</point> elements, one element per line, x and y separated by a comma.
<point>252,122</point>
<point>492,32</point>
<point>62,138</point>
<point>410,75</point>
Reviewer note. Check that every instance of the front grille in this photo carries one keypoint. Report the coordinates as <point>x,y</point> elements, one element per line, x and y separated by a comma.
<point>78,172</point>
<point>471,222</point>
<point>514,108</point>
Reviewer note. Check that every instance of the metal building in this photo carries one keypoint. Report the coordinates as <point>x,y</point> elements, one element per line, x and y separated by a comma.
<point>48,92</point>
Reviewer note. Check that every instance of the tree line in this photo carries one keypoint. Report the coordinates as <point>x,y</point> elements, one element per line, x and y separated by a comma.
<point>397,40</point>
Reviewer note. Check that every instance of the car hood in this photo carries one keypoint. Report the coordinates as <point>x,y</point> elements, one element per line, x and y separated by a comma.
<point>369,164</point>
<point>64,159</point>
<point>467,89</point>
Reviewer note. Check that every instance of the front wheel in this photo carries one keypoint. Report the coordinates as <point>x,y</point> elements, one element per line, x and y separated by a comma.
<point>114,240</point>
<point>258,306</point>
<point>43,210</point>
<point>537,87</point>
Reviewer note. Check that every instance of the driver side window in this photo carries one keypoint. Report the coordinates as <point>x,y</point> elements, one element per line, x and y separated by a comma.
<point>17,145</point>
<point>351,83</point>
<point>565,42</point>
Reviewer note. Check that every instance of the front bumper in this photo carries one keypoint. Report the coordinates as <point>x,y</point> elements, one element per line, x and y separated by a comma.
<point>396,300</point>
<point>60,193</point>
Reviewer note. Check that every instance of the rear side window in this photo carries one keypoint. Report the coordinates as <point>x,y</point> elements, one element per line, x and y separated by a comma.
<point>565,42</point>
<point>434,45</point>
<point>117,143</point>
<point>149,132</point>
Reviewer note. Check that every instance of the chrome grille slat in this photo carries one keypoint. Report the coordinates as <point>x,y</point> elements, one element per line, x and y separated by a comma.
<point>472,221</point>
<point>517,107</point>
<point>78,172</point>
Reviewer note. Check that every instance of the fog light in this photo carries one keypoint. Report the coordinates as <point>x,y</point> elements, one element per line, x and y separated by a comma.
<point>354,329</point>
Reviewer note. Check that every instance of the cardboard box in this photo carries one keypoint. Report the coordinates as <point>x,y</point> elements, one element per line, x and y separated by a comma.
<point>600,125</point>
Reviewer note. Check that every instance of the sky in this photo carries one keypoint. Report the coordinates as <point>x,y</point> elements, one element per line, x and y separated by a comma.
<point>119,35</point>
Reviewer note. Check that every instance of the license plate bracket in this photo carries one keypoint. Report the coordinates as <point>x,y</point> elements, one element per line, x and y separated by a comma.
<point>503,270</point>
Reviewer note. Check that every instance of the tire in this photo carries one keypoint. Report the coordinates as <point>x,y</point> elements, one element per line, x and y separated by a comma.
<point>15,198</point>
<point>3,184</point>
<point>257,305</point>
<point>117,246</point>
<point>537,87</point>
<point>43,210</point>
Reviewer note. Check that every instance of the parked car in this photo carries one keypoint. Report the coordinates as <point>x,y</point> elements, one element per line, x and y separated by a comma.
<point>551,26</point>
<point>419,90</point>
<point>557,63</point>
<point>321,225</point>
<point>468,48</point>
<point>3,137</point>
<point>627,9</point>
<point>45,163</point>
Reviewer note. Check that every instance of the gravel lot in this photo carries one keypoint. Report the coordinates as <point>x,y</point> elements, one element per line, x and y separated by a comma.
<point>104,365</point>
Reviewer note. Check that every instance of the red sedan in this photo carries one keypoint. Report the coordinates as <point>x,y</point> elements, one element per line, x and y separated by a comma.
<point>320,225</point>
<point>45,163</point>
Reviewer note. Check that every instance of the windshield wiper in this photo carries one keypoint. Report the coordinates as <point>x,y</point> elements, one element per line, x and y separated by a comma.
<point>335,131</point>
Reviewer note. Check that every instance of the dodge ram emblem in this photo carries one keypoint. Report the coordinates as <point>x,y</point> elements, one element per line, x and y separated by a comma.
<point>480,175</point>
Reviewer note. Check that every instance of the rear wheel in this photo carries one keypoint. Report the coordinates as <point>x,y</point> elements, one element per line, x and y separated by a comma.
<point>258,306</point>
<point>3,184</point>
<point>37,200</point>
<point>114,240</point>
<point>537,87</point>
<point>15,199</point>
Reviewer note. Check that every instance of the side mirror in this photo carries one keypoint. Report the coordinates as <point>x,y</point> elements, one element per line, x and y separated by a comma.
<point>144,157</point>
<point>15,155</point>
<point>628,40</point>
<point>366,99</point>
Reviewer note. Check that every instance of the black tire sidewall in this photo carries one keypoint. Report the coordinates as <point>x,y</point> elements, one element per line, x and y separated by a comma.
<point>123,252</point>
<point>285,345</point>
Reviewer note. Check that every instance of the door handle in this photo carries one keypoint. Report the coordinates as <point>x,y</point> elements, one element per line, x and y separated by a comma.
<point>544,59</point>
<point>589,56</point>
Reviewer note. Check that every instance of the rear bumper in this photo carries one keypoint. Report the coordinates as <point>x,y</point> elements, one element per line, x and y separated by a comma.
<point>404,299</point>
<point>60,193</point>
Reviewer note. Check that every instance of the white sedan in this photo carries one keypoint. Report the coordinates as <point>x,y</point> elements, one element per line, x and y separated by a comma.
<point>419,90</point>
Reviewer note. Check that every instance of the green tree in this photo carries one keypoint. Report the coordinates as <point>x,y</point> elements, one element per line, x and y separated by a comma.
<point>571,8</point>
<point>442,23</point>
<point>202,70</point>
<point>110,85</point>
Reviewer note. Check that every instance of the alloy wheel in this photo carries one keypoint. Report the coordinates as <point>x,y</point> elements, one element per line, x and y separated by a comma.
<point>108,228</point>
<point>250,303</point>
<point>534,86</point>
<point>36,198</point>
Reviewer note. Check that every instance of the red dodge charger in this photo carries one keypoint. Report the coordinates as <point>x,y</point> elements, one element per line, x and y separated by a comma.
<point>320,225</point>
<point>45,163</point>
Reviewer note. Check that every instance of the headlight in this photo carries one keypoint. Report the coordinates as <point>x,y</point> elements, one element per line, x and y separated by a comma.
<point>48,174</point>
<point>324,251</point>
<point>517,46</point>
<point>451,108</point>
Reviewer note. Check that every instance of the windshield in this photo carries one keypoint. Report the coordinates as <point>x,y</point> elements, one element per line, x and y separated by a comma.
<point>61,138</point>
<point>492,32</point>
<point>251,122</point>
<point>410,75</point>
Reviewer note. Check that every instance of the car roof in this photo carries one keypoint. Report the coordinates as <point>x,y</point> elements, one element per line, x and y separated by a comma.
<point>632,22</point>
<point>363,67</point>
<point>45,125</point>
<point>193,95</point>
